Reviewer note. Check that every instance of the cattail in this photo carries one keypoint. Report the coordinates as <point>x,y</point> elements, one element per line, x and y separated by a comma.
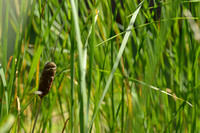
<point>47,78</point>
<point>46,81</point>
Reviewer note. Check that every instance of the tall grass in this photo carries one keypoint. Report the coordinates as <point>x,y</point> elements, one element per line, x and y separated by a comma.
<point>121,67</point>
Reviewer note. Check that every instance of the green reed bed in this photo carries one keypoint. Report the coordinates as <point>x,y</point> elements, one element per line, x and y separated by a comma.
<point>122,66</point>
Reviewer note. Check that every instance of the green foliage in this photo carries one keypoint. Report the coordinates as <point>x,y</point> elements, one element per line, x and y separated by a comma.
<point>122,66</point>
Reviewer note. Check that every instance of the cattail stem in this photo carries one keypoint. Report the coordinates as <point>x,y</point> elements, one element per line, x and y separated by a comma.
<point>37,115</point>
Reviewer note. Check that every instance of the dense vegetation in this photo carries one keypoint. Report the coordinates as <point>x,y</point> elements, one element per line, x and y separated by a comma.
<point>122,65</point>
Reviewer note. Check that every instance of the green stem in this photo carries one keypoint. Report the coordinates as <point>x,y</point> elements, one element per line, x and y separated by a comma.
<point>37,115</point>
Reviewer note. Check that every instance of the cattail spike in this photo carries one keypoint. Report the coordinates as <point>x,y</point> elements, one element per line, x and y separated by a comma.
<point>47,78</point>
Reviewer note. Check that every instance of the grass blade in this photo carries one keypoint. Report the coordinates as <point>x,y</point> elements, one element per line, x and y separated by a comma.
<point>91,57</point>
<point>145,84</point>
<point>6,123</point>
<point>117,60</point>
<point>72,78</point>
<point>82,59</point>
<point>143,25</point>
<point>2,75</point>
<point>33,68</point>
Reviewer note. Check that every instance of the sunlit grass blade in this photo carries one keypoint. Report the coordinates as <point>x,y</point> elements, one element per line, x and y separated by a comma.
<point>82,59</point>
<point>125,39</point>
<point>143,25</point>
<point>6,123</point>
<point>3,90</point>
<point>145,84</point>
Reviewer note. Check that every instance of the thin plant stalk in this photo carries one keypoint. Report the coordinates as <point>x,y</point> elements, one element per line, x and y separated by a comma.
<point>37,116</point>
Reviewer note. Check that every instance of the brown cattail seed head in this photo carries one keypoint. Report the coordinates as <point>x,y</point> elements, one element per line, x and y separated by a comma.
<point>47,78</point>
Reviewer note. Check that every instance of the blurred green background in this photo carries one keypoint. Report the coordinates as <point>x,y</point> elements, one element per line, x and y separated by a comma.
<point>122,65</point>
